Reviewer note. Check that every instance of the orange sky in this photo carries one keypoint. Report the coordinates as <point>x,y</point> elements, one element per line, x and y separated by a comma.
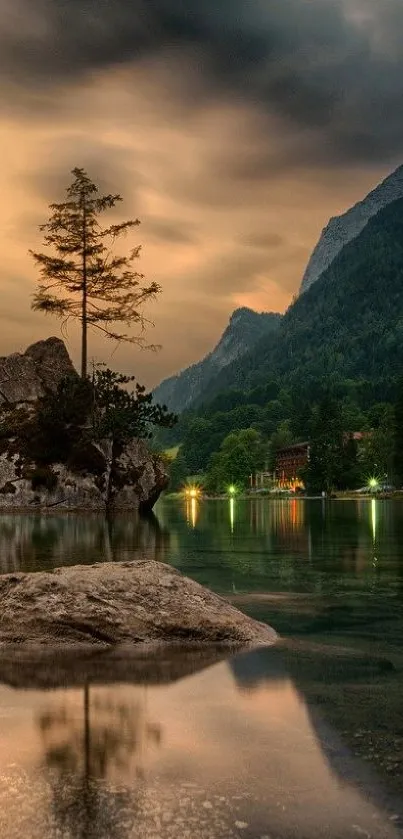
<point>232,196</point>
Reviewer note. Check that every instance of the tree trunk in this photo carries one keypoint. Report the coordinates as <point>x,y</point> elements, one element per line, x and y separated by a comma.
<point>84,302</point>
<point>84,339</point>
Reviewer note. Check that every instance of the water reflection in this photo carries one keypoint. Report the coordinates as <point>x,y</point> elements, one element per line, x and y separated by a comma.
<point>191,511</point>
<point>229,751</point>
<point>288,544</point>
<point>232,513</point>
<point>113,737</point>
<point>34,542</point>
<point>109,742</point>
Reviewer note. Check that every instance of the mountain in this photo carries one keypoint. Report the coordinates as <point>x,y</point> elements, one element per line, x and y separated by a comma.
<point>347,327</point>
<point>244,330</point>
<point>343,229</point>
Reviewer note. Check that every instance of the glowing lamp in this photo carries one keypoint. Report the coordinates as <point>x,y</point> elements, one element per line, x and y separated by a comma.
<point>192,492</point>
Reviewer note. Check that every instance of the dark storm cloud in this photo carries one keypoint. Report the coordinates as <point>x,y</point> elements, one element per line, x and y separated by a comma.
<point>110,172</point>
<point>332,66</point>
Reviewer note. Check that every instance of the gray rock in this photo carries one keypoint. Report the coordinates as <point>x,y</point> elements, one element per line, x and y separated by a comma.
<point>343,229</point>
<point>25,377</point>
<point>133,481</point>
<point>143,603</point>
<point>140,480</point>
<point>52,362</point>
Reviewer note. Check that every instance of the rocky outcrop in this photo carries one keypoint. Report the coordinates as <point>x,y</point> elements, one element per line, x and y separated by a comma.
<point>244,330</point>
<point>25,377</point>
<point>85,474</point>
<point>343,229</point>
<point>92,484</point>
<point>143,605</point>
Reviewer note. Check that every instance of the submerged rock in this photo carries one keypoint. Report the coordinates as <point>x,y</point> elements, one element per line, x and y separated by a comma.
<point>143,604</point>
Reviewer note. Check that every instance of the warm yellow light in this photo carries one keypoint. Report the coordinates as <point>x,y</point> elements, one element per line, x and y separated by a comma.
<point>232,489</point>
<point>192,492</point>
<point>373,483</point>
<point>193,512</point>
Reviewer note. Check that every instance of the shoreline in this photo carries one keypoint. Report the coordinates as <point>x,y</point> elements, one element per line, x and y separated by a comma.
<point>268,496</point>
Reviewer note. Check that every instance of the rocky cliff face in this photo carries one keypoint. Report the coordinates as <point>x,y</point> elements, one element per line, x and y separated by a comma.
<point>242,333</point>
<point>343,229</point>
<point>134,481</point>
<point>25,377</point>
<point>93,476</point>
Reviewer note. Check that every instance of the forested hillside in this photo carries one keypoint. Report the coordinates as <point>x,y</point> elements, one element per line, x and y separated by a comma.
<point>347,327</point>
<point>345,333</point>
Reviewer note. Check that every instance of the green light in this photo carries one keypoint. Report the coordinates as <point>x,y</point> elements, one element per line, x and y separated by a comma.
<point>372,483</point>
<point>373,518</point>
<point>232,489</point>
<point>232,513</point>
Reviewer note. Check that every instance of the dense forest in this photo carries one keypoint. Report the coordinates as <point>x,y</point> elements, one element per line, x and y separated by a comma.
<point>343,336</point>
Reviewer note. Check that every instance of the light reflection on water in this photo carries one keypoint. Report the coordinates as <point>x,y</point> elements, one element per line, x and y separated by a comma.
<point>236,742</point>
<point>231,751</point>
<point>343,537</point>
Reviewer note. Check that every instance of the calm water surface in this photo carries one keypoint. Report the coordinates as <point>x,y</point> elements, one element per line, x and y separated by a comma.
<point>236,749</point>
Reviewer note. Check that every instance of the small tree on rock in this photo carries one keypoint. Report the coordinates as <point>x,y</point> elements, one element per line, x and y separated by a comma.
<point>122,414</point>
<point>83,279</point>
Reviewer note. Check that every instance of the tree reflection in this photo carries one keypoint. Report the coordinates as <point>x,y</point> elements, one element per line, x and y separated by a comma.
<point>85,753</point>
<point>34,542</point>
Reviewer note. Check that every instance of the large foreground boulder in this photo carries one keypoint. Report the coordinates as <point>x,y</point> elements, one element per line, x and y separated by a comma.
<point>142,604</point>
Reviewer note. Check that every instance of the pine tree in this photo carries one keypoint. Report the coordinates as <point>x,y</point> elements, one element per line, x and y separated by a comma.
<point>81,278</point>
<point>327,446</point>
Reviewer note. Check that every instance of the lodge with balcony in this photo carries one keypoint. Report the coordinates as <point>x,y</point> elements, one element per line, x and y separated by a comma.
<point>290,461</point>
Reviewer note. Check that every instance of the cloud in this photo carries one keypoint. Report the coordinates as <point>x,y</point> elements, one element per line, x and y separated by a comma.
<point>232,130</point>
<point>332,67</point>
<point>265,240</point>
<point>176,232</point>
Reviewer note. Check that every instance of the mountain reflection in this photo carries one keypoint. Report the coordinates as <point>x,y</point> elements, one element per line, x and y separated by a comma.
<point>231,745</point>
<point>34,542</point>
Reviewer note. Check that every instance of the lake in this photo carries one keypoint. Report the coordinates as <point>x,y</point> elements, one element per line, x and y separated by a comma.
<point>300,741</point>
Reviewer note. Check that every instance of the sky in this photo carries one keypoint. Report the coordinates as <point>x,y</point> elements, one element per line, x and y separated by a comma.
<point>233,129</point>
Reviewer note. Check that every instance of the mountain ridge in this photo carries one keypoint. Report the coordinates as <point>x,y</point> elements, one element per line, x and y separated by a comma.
<point>342,229</point>
<point>244,329</point>
<point>347,324</point>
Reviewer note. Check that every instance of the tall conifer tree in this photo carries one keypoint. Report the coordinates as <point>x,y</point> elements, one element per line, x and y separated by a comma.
<point>81,278</point>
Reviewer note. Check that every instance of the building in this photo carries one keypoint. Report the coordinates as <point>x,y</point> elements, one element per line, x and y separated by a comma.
<point>290,460</point>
